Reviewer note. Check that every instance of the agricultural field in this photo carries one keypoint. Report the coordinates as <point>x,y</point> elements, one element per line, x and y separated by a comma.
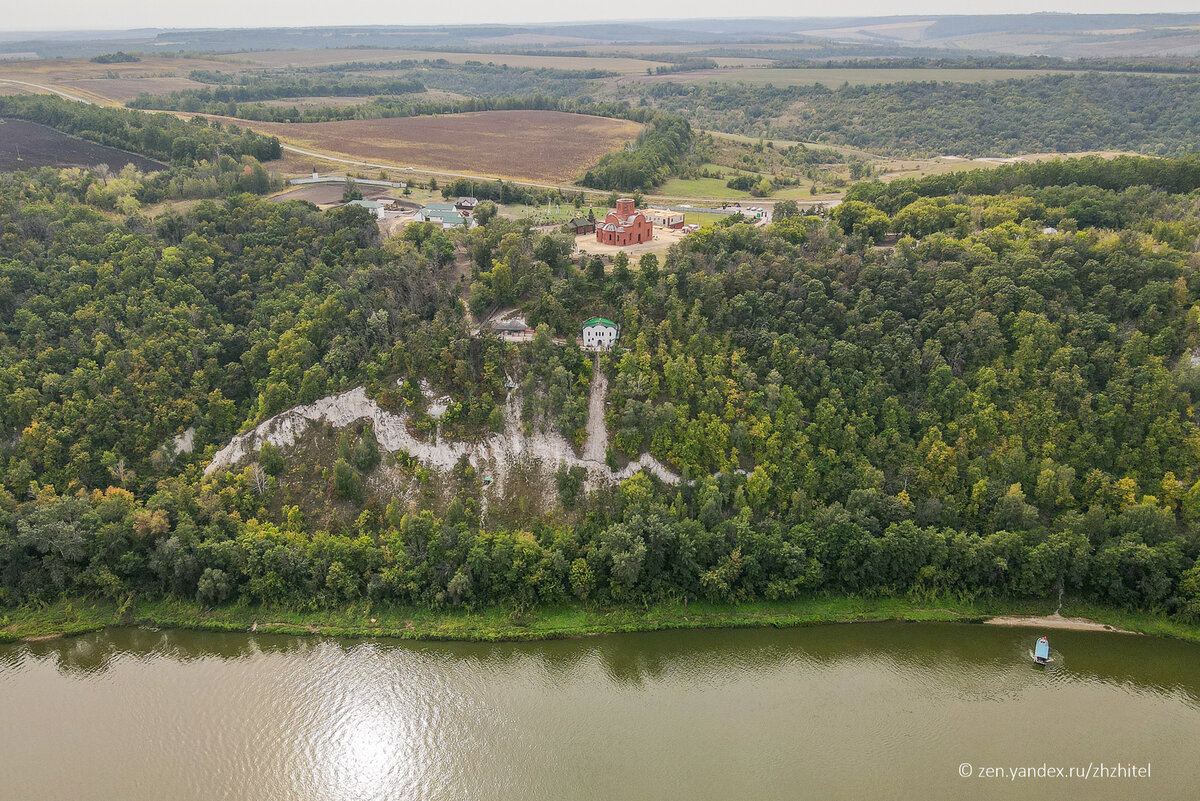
<point>26,145</point>
<point>122,90</point>
<point>113,83</point>
<point>547,146</point>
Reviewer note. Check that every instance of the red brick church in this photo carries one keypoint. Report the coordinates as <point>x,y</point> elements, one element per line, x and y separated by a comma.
<point>624,225</point>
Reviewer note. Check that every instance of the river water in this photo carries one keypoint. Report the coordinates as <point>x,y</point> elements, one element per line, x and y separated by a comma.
<point>858,711</point>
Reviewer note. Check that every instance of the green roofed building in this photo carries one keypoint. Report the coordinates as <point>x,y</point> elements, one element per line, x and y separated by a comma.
<point>443,213</point>
<point>600,333</point>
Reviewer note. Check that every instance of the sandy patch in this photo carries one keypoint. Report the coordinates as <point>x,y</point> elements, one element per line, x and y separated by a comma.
<point>1055,621</point>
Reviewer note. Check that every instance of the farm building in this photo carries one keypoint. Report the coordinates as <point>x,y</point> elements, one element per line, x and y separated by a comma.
<point>600,333</point>
<point>443,213</point>
<point>581,225</point>
<point>465,205</point>
<point>624,225</point>
<point>665,218</point>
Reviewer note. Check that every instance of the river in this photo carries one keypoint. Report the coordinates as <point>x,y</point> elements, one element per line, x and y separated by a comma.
<point>862,711</point>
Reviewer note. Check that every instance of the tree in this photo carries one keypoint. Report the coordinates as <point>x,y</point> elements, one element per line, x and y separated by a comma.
<point>485,212</point>
<point>347,483</point>
<point>366,450</point>
<point>351,191</point>
<point>785,209</point>
<point>214,587</point>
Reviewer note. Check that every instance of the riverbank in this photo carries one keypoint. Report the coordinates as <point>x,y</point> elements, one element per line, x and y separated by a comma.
<point>78,616</point>
<point>1055,621</point>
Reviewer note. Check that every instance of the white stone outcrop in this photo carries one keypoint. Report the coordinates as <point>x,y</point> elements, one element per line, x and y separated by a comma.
<point>495,453</point>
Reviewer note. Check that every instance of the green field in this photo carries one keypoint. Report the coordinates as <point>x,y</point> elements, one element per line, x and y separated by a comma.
<point>701,218</point>
<point>700,187</point>
<point>855,77</point>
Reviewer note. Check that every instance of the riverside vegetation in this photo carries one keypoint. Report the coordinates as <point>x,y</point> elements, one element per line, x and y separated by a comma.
<point>984,414</point>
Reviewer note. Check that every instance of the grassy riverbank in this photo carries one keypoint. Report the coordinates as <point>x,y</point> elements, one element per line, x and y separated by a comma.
<point>79,616</point>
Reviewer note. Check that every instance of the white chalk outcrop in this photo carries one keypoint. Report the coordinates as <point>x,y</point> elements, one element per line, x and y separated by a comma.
<point>495,453</point>
<point>184,442</point>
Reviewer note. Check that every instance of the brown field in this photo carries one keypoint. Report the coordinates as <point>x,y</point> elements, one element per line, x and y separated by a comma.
<point>26,145</point>
<point>312,58</point>
<point>122,90</point>
<point>114,83</point>
<point>547,146</point>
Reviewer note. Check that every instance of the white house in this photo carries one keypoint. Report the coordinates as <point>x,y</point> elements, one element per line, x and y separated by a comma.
<point>600,333</point>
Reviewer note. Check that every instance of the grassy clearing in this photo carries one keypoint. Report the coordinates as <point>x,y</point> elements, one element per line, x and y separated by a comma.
<point>70,617</point>
<point>700,187</point>
<point>702,219</point>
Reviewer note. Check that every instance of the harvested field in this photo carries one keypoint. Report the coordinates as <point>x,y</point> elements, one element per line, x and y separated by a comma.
<point>25,145</point>
<point>548,146</point>
<point>113,83</point>
<point>122,90</point>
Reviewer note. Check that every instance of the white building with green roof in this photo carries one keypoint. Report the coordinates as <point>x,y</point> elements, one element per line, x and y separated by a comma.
<point>443,213</point>
<point>600,333</point>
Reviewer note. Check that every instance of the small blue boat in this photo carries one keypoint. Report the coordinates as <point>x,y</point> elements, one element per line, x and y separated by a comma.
<point>1041,652</point>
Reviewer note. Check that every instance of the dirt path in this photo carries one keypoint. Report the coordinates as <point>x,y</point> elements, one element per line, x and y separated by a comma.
<point>1055,621</point>
<point>595,447</point>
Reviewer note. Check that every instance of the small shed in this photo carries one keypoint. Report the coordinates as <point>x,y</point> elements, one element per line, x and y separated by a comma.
<point>514,330</point>
<point>581,225</point>
<point>466,205</point>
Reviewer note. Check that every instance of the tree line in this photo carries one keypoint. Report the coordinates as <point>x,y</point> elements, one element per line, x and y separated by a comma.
<point>160,136</point>
<point>655,156</point>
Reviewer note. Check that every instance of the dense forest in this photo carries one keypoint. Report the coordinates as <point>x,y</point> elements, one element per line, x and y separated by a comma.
<point>1063,113</point>
<point>986,409</point>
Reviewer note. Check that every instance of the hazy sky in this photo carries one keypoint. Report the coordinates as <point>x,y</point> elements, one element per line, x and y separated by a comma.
<point>120,14</point>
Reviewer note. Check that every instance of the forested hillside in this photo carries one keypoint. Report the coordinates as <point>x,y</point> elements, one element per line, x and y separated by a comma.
<point>986,409</point>
<point>1052,113</point>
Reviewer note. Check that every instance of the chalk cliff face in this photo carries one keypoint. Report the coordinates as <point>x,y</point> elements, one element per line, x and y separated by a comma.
<point>494,453</point>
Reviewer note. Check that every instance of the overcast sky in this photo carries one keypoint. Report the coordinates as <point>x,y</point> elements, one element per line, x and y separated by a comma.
<point>21,15</point>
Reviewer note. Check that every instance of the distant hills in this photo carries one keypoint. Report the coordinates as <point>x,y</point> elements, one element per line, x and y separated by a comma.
<point>1066,35</point>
